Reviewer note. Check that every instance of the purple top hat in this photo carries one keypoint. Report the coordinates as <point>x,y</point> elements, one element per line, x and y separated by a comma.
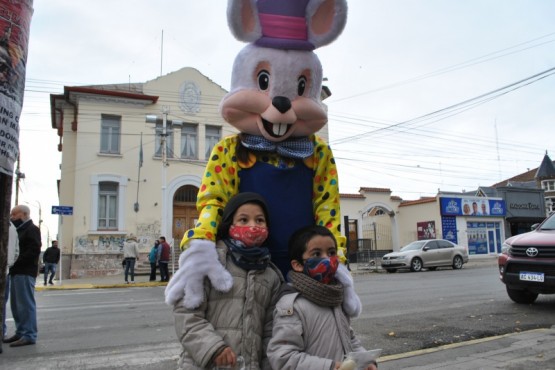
<point>283,24</point>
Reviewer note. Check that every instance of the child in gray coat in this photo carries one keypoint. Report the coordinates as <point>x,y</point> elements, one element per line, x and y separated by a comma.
<point>238,323</point>
<point>311,330</point>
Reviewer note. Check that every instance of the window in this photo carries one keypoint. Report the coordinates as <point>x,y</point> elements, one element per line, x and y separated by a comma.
<point>169,141</point>
<point>110,133</point>
<point>186,194</point>
<point>107,211</point>
<point>189,141</point>
<point>444,244</point>
<point>549,205</point>
<point>548,185</point>
<point>432,245</point>
<point>107,205</point>
<point>212,138</point>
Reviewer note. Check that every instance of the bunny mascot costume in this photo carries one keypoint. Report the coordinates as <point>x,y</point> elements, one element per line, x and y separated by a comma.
<point>275,104</point>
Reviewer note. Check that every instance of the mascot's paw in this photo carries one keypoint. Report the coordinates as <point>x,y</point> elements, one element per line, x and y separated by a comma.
<point>351,302</point>
<point>200,260</point>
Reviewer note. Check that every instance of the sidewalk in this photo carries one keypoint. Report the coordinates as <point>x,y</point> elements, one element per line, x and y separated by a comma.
<point>110,281</point>
<point>529,350</point>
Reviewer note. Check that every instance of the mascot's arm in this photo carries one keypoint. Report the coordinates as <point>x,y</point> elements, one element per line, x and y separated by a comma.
<point>200,259</point>
<point>220,182</point>
<point>326,193</point>
<point>326,209</point>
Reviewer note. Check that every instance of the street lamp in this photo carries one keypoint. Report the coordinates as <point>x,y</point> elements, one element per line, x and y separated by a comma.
<point>152,118</point>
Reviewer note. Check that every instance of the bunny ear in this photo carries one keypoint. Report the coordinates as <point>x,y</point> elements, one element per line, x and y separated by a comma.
<point>242,19</point>
<point>326,20</point>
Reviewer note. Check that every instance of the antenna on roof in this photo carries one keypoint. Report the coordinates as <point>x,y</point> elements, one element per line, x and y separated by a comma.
<point>497,147</point>
<point>161,52</point>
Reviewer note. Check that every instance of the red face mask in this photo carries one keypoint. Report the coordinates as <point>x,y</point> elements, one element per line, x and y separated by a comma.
<point>250,236</point>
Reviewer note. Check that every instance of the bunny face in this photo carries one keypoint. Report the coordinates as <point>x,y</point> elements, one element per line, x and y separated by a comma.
<point>275,93</point>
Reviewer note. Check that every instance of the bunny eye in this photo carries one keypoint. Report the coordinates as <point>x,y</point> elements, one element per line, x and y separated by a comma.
<point>301,85</point>
<point>263,80</point>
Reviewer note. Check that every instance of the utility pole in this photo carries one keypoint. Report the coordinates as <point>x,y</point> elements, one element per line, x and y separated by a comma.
<point>18,176</point>
<point>165,111</point>
<point>15,22</point>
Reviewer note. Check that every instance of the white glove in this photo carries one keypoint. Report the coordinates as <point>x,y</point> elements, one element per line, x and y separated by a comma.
<point>200,260</point>
<point>351,302</point>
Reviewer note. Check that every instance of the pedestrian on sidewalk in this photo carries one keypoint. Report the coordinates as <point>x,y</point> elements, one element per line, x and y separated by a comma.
<point>23,275</point>
<point>153,258</point>
<point>130,256</point>
<point>165,254</point>
<point>51,258</point>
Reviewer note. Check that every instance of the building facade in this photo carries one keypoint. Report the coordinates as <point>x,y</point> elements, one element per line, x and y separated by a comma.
<point>115,172</point>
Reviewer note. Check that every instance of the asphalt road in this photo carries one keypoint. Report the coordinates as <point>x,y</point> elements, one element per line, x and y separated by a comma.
<point>132,327</point>
<point>410,311</point>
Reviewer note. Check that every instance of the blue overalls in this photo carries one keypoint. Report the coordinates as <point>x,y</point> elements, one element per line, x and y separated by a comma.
<point>288,194</point>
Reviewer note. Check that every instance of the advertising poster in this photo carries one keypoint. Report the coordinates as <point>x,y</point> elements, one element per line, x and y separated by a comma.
<point>426,230</point>
<point>472,206</point>
<point>15,19</point>
<point>449,227</point>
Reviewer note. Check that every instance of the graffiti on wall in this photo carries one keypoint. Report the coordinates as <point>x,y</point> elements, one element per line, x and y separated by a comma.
<point>147,234</point>
<point>109,244</point>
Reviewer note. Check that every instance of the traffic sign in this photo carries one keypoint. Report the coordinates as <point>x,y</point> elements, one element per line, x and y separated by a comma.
<point>62,210</point>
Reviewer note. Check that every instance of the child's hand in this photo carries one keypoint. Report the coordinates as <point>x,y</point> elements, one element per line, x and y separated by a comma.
<point>337,365</point>
<point>226,358</point>
<point>373,366</point>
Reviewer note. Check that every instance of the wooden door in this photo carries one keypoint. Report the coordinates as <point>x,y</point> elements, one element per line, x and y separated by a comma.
<point>184,218</point>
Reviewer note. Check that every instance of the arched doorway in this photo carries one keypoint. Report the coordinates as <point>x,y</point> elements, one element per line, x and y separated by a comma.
<point>185,214</point>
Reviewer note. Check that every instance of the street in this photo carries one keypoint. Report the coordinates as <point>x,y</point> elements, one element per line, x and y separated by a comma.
<point>132,327</point>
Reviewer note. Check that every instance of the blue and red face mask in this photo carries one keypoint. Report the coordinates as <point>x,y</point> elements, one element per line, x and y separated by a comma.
<point>321,269</point>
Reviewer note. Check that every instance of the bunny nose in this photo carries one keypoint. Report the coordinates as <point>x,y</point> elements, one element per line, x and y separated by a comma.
<point>281,103</point>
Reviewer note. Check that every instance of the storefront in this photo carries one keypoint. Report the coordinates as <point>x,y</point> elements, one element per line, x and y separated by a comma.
<point>525,207</point>
<point>474,222</point>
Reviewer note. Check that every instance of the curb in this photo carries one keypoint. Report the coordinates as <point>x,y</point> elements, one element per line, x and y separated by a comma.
<point>99,286</point>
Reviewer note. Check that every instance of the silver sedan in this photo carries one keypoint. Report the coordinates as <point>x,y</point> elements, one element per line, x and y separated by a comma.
<point>429,254</point>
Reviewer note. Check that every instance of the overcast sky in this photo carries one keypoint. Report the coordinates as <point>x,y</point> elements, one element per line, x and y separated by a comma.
<point>427,94</point>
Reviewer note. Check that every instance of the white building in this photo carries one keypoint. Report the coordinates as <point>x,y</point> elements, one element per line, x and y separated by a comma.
<point>104,136</point>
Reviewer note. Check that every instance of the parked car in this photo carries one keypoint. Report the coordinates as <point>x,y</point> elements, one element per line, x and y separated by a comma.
<point>527,263</point>
<point>429,254</point>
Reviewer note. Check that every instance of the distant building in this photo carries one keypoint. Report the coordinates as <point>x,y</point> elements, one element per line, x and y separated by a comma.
<point>480,220</point>
<point>112,171</point>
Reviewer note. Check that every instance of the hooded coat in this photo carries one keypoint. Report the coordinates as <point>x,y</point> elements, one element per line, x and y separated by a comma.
<point>240,318</point>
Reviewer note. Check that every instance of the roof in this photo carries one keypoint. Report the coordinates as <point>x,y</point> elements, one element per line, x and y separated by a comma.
<point>526,178</point>
<point>546,169</point>
<point>375,190</point>
<point>352,196</point>
<point>103,90</point>
<point>418,201</point>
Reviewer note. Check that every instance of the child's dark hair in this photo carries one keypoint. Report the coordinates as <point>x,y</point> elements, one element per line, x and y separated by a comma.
<point>300,238</point>
<point>233,204</point>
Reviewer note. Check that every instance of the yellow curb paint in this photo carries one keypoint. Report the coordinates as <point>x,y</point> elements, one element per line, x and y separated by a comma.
<point>452,345</point>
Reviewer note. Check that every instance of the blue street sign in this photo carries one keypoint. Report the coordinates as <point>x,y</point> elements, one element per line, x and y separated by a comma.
<point>62,210</point>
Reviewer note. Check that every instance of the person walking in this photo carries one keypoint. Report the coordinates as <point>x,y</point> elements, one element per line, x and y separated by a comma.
<point>165,253</point>
<point>51,258</point>
<point>130,256</point>
<point>153,258</point>
<point>23,276</point>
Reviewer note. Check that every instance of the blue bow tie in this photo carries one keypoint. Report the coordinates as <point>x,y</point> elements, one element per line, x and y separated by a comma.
<point>298,147</point>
